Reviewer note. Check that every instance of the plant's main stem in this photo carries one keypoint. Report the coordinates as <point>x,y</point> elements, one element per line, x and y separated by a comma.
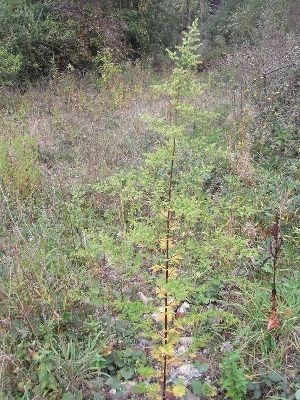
<point>168,239</point>
<point>275,247</point>
<point>275,252</point>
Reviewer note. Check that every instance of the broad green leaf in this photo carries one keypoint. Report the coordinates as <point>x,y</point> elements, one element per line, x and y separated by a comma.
<point>202,368</point>
<point>275,377</point>
<point>197,387</point>
<point>127,372</point>
<point>114,383</point>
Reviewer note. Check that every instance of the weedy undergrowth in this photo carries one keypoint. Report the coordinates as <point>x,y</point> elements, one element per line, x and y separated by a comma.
<point>119,83</point>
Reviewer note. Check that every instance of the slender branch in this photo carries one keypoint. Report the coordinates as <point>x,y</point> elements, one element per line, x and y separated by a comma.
<point>264,74</point>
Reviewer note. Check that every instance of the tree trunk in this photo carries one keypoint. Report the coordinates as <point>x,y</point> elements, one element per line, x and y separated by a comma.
<point>202,9</point>
<point>188,13</point>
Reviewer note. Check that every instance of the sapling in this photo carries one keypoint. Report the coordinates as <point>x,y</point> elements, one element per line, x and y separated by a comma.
<point>154,207</point>
<point>178,89</point>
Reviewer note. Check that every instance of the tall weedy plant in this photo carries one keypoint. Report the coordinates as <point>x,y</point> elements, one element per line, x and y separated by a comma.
<point>179,90</point>
<point>158,210</point>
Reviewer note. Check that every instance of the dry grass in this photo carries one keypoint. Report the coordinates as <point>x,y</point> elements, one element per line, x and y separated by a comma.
<point>84,133</point>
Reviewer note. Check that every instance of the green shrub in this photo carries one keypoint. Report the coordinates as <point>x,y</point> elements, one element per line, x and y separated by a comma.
<point>46,36</point>
<point>10,66</point>
<point>233,377</point>
<point>29,30</point>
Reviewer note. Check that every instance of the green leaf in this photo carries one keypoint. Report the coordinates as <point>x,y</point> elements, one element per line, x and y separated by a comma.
<point>68,396</point>
<point>98,362</point>
<point>140,388</point>
<point>71,396</point>
<point>297,395</point>
<point>66,316</point>
<point>127,372</point>
<point>257,394</point>
<point>268,382</point>
<point>202,368</point>
<point>146,371</point>
<point>98,396</point>
<point>114,383</point>
<point>197,387</point>
<point>267,268</point>
<point>275,377</point>
<point>119,362</point>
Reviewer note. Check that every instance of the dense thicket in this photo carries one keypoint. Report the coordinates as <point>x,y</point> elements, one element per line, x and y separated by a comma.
<point>40,37</point>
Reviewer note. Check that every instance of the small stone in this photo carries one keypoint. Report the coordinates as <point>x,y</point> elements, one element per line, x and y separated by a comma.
<point>297,331</point>
<point>182,310</point>
<point>124,394</point>
<point>155,317</point>
<point>182,350</point>
<point>226,346</point>
<point>186,341</point>
<point>187,372</point>
<point>143,343</point>
<point>143,298</point>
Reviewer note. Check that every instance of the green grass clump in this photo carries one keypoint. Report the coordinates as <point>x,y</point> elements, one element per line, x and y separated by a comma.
<point>19,164</point>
